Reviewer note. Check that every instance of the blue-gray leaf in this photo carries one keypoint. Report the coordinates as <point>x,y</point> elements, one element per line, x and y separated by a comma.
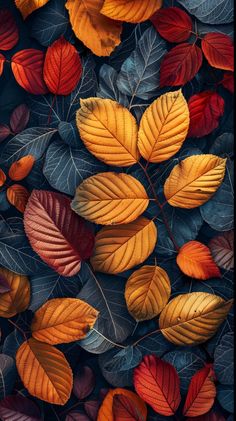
<point>224,359</point>
<point>210,11</point>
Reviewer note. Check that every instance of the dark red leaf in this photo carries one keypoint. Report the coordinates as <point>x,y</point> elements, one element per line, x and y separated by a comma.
<point>180,65</point>
<point>19,118</point>
<point>228,81</point>
<point>62,68</point>
<point>27,67</point>
<point>18,408</point>
<point>77,416</point>
<point>4,285</point>
<point>219,50</point>
<point>2,61</point>
<point>91,408</point>
<point>84,383</point>
<point>222,250</point>
<point>205,111</point>
<point>158,384</point>
<point>124,409</point>
<point>4,132</point>
<point>173,24</point>
<point>210,416</point>
<point>9,34</point>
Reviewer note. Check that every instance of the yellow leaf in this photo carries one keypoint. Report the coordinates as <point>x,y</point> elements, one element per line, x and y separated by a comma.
<point>163,127</point>
<point>193,318</point>
<point>194,181</point>
<point>63,320</point>
<point>98,32</point>
<point>147,292</point>
<point>26,7</point>
<point>44,371</point>
<point>106,409</point>
<point>122,247</point>
<point>131,10</point>
<point>17,298</point>
<point>109,131</point>
<point>110,198</point>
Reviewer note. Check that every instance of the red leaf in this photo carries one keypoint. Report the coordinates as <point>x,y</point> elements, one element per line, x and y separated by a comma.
<point>60,237</point>
<point>62,68</point>
<point>228,81</point>
<point>27,67</point>
<point>18,196</point>
<point>219,50</point>
<point>205,111</point>
<point>158,384</point>
<point>2,177</point>
<point>2,61</point>
<point>180,65</point>
<point>4,132</point>
<point>173,24</point>
<point>9,35</point>
<point>210,416</point>
<point>124,409</point>
<point>19,118</point>
<point>84,383</point>
<point>21,168</point>
<point>201,393</point>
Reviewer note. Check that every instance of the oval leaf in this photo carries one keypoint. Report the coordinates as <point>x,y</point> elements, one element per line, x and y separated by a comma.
<point>110,198</point>
<point>84,383</point>
<point>9,34</point>
<point>17,298</point>
<point>193,318</point>
<point>19,118</point>
<point>109,131</point>
<point>131,10</point>
<point>222,250</point>
<point>18,196</point>
<point>106,409</point>
<point>20,169</point>
<point>173,24</point>
<point>219,50</point>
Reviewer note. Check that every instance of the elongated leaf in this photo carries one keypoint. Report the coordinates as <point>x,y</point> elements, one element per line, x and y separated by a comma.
<point>131,10</point>
<point>7,376</point>
<point>106,409</point>
<point>17,299</point>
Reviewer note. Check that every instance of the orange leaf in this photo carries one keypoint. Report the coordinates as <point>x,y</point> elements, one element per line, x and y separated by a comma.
<point>2,177</point>
<point>196,261</point>
<point>2,61</point>
<point>17,298</point>
<point>18,196</point>
<point>124,408</point>
<point>20,169</point>
<point>26,7</point>
<point>219,50</point>
<point>201,393</point>
<point>130,10</point>
<point>106,409</point>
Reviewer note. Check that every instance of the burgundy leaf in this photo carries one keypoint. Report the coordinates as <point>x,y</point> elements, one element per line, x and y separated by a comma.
<point>91,408</point>
<point>4,132</point>
<point>19,118</point>
<point>77,416</point>
<point>18,408</point>
<point>84,383</point>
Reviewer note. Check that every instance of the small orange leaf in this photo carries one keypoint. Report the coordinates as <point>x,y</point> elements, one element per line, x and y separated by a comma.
<point>17,298</point>
<point>2,177</point>
<point>106,409</point>
<point>195,260</point>
<point>18,196</point>
<point>20,169</point>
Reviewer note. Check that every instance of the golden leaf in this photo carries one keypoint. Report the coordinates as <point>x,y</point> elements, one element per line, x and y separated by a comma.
<point>194,180</point>
<point>44,371</point>
<point>98,32</point>
<point>131,10</point>
<point>110,198</point>
<point>193,318</point>
<point>26,7</point>
<point>122,247</point>
<point>163,127</point>
<point>109,131</point>
<point>63,320</point>
<point>147,292</point>
<point>17,298</point>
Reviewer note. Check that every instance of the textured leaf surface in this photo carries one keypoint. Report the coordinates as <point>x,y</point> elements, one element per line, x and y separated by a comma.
<point>9,34</point>
<point>17,298</point>
<point>130,10</point>
<point>222,250</point>
<point>219,51</point>
<point>20,169</point>
<point>26,7</point>
<point>224,359</point>
<point>106,409</point>
<point>213,12</point>
<point>173,24</point>
<point>18,196</point>
<point>124,408</point>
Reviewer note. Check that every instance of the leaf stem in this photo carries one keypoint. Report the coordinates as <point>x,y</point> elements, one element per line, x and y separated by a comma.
<point>146,336</point>
<point>109,340</point>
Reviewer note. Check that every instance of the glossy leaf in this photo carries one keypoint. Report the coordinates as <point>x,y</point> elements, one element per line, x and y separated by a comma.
<point>106,409</point>
<point>130,11</point>
<point>222,250</point>
<point>173,24</point>
<point>18,196</point>
<point>9,34</point>
<point>218,50</point>
<point>20,169</point>
<point>17,298</point>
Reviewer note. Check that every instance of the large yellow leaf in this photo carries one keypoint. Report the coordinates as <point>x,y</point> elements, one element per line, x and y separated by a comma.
<point>26,7</point>
<point>44,371</point>
<point>122,247</point>
<point>109,131</point>
<point>163,127</point>
<point>130,10</point>
<point>110,198</point>
<point>194,180</point>
<point>17,298</point>
<point>63,320</point>
<point>193,318</point>
<point>147,292</point>
<point>98,32</point>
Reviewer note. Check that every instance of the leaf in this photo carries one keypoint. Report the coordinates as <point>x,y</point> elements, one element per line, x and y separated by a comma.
<point>124,408</point>
<point>19,408</point>
<point>27,67</point>
<point>163,127</point>
<point>144,65</point>
<point>91,408</point>
<point>2,178</point>
<point>225,396</point>
<point>222,250</point>
<point>26,7</point>
<point>131,10</point>
<point>4,285</point>
<point>20,169</point>
<point>33,141</point>
<point>196,261</point>
<point>180,65</point>
<point>18,196</point>
<point>228,81</point>
<point>205,110</point>
<point>44,372</point>
<point>224,359</point>
<point>63,320</point>
<point>99,33</point>
<point>4,129</point>
<point>110,199</point>
<point>108,85</point>
<point>194,180</point>
<point>193,318</point>
<point>2,61</point>
<point>218,50</point>
<point>84,383</point>
<point>7,376</point>
<point>173,24</point>
<point>62,67</point>
<point>213,12</point>
<point>106,409</point>
<point>157,383</point>
<point>122,247</point>
<point>147,292</point>
<point>17,298</point>
<point>201,393</point>
<point>109,131</point>
<point>49,220</point>
<point>210,416</point>
<point>9,34</point>
<point>19,118</point>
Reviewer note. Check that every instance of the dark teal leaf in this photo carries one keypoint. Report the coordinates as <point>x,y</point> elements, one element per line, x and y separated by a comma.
<point>223,145</point>
<point>108,85</point>
<point>12,343</point>
<point>224,359</point>
<point>70,134</point>
<point>225,396</point>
